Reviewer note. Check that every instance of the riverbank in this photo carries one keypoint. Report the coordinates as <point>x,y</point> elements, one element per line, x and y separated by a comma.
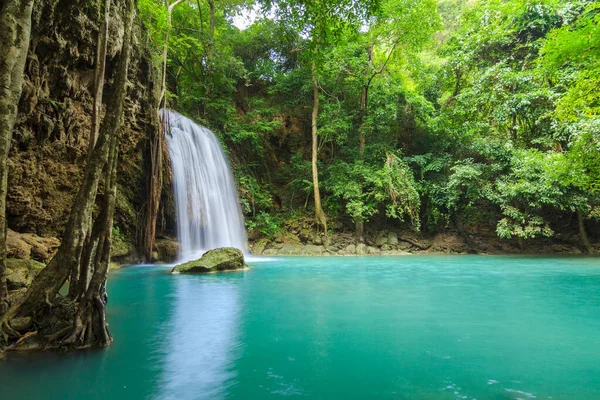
<point>396,243</point>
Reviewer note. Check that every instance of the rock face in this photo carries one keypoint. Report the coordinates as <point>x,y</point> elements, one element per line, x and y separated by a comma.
<point>27,245</point>
<point>222,259</point>
<point>50,140</point>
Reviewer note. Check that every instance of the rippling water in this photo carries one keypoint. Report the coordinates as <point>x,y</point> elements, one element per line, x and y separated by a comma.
<point>339,328</point>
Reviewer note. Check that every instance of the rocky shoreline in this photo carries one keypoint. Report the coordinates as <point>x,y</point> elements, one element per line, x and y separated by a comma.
<point>399,243</point>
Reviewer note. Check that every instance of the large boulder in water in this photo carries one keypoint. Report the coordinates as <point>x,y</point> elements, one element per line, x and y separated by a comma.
<point>221,259</point>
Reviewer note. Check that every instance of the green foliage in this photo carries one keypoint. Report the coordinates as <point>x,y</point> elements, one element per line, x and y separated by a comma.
<point>493,106</point>
<point>367,190</point>
<point>266,224</point>
<point>537,181</point>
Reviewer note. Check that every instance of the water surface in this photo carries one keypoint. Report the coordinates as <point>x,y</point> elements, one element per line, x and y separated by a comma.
<point>431,327</point>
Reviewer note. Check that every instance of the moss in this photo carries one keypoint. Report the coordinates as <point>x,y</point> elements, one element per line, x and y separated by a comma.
<point>167,250</point>
<point>222,259</point>
<point>20,273</point>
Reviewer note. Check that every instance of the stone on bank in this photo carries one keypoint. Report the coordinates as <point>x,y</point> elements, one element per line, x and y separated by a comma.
<point>221,259</point>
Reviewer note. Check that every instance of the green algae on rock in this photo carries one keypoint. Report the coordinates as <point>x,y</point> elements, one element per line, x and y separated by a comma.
<point>20,273</point>
<point>221,259</point>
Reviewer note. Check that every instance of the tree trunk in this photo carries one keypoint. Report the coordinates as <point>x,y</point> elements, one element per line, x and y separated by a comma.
<point>582,233</point>
<point>163,90</point>
<point>15,20</point>
<point>364,103</point>
<point>80,272</point>
<point>89,324</point>
<point>155,179</point>
<point>155,182</point>
<point>211,39</point>
<point>48,282</point>
<point>465,235</point>
<point>99,77</point>
<point>320,216</point>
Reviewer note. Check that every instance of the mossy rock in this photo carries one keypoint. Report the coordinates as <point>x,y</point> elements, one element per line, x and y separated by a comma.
<point>167,250</point>
<point>260,246</point>
<point>20,273</point>
<point>222,259</point>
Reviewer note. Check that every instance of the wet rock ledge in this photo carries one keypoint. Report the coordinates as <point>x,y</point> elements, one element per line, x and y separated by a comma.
<point>217,260</point>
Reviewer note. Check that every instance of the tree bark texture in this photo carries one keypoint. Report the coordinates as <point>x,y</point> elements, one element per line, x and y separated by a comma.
<point>582,233</point>
<point>364,104</point>
<point>320,216</point>
<point>80,274</point>
<point>99,77</point>
<point>155,183</point>
<point>15,30</point>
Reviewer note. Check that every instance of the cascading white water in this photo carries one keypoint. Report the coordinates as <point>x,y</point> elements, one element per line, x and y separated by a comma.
<point>206,199</point>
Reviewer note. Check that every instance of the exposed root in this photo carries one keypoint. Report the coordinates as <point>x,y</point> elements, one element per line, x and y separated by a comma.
<point>25,337</point>
<point>89,325</point>
<point>7,331</point>
<point>58,335</point>
<point>414,243</point>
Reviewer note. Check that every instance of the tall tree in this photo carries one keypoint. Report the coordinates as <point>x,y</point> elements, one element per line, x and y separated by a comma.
<point>155,179</point>
<point>320,216</point>
<point>323,22</point>
<point>15,20</point>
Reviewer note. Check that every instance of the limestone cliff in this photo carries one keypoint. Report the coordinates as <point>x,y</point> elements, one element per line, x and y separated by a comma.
<point>51,136</point>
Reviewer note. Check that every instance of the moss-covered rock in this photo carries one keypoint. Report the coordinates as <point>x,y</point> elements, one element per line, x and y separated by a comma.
<point>21,324</point>
<point>381,239</point>
<point>260,246</point>
<point>392,239</point>
<point>167,250</point>
<point>20,273</point>
<point>222,259</point>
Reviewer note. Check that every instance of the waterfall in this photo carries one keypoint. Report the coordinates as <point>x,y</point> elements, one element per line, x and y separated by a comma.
<point>206,200</point>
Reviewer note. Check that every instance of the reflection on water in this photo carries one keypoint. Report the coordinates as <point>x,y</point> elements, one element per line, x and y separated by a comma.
<point>202,339</point>
<point>338,328</point>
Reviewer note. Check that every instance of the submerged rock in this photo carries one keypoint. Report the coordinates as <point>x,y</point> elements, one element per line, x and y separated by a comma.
<point>221,259</point>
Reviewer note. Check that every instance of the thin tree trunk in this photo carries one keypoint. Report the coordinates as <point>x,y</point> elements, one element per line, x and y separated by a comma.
<point>99,77</point>
<point>582,233</point>
<point>364,103</point>
<point>320,216</point>
<point>163,90</point>
<point>465,235</point>
<point>47,283</point>
<point>15,23</point>
<point>155,182</point>
<point>155,179</point>
<point>211,39</point>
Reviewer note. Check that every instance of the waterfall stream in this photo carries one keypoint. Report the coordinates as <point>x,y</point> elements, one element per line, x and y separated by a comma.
<point>206,200</point>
